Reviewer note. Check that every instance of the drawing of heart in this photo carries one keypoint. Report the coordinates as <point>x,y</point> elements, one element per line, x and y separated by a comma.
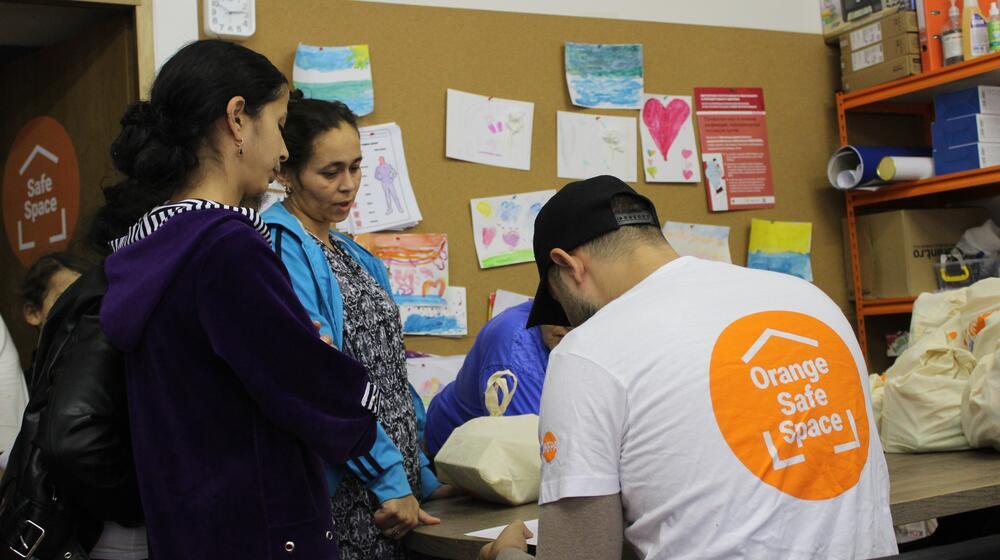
<point>686,153</point>
<point>488,234</point>
<point>688,173</point>
<point>664,123</point>
<point>484,208</point>
<point>651,170</point>
<point>511,238</point>
<point>433,287</point>
<point>651,152</point>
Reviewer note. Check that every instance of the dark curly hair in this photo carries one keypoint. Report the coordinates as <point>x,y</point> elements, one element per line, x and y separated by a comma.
<point>35,284</point>
<point>308,119</point>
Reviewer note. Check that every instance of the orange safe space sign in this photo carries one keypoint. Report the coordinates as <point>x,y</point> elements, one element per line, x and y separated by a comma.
<point>788,399</point>
<point>41,190</point>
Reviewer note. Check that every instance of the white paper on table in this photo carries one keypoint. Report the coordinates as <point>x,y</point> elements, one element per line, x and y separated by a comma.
<point>493,532</point>
<point>429,375</point>
<point>699,240</point>
<point>503,227</point>
<point>489,130</point>
<point>590,145</point>
<point>448,320</point>
<point>669,152</point>
<point>505,300</point>
<point>385,200</point>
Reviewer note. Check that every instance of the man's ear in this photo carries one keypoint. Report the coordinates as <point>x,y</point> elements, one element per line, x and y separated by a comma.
<point>573,264</point>
<point>32,315</point>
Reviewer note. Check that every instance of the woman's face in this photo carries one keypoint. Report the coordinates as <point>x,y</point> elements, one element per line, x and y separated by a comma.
<point>326,185</point>
<point>263,147</point>
<point>58,282</point>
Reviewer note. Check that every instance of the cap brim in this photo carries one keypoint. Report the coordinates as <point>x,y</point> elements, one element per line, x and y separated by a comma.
<point>545,310</point>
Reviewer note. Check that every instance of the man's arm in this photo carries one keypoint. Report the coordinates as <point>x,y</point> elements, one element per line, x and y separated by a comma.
<point>571,529</point>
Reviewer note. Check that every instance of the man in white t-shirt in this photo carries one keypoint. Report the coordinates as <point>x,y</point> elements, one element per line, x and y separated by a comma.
<point>699,409</point>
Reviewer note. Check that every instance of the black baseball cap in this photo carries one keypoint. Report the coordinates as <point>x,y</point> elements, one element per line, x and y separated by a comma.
<point>579,212</point>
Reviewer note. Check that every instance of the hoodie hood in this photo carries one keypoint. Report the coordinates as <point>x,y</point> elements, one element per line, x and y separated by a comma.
<point>148,258</point>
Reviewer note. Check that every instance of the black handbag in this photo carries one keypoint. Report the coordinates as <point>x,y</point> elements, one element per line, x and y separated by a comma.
<point>39,529</point>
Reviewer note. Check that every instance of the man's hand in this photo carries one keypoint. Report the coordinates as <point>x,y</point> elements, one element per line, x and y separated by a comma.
<point>515,536</point>
<point>399,516</point>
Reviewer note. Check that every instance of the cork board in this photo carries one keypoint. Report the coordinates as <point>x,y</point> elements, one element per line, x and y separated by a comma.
<point>419,52</point>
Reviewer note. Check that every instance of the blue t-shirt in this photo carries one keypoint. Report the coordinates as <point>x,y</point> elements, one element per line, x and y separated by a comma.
<point>503,343</point>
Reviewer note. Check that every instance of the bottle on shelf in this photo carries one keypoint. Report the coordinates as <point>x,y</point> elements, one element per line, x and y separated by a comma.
<point>975,35</point>
<point>951,37</point>
<point>994,27</point>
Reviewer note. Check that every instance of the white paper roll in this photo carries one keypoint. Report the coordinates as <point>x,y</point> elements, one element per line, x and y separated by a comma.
<point>899,168</point>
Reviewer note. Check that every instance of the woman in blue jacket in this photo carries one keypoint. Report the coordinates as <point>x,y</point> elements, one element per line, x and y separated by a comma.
<point>346,290</point>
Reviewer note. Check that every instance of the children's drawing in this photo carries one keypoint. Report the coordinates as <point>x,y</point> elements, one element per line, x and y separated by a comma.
<point>385,198</point>
<point>502,300</point>
<point>781,247</point>
<point>590,145</point>
<point>447,320</point>
<point>715,172</point>
<point>604,76</point>
<point>699,240</point>
<point>336,74</point>
<point>504,227</point>
<point>669,153</point>
<point>489,130</point>
<point>429,375</point>
<point>417,263</point>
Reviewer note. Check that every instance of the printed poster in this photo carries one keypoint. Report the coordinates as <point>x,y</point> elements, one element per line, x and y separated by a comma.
<point>735,155</point>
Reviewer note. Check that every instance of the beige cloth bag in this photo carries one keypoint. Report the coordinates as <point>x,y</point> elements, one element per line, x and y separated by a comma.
<point>922,403</point>
<point>495,457</point>
<point>981,403</point>
<point>876,387</point>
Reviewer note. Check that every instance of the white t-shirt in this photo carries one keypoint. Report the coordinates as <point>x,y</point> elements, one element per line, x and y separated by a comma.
<point>729,407</point>
<point>13,394</point>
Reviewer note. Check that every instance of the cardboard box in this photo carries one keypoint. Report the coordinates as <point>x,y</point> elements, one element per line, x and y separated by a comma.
<point>894,69</point>
<point>963,158</point>
<point>840,16</point>
<point>887,49</point>
<point>970,129</point>
<point>969,101</point>
<point>885,28</point>
<point>897,249</point>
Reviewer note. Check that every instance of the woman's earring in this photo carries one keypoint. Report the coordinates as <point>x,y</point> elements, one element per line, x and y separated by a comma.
<point>288,190</point>
<point>239,147</point>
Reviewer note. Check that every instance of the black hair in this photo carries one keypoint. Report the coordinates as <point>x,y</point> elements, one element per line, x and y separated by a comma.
<point>157,148</point>
<point>35,284</point>
<point>308,119</point>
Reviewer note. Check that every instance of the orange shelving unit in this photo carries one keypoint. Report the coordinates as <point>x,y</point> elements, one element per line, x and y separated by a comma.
<point>911,96</point>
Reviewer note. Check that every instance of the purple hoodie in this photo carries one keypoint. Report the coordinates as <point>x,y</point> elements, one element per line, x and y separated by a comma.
<point>232,396</point>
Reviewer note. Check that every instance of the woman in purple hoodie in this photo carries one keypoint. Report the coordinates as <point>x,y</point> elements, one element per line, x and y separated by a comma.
<point>233,397</point>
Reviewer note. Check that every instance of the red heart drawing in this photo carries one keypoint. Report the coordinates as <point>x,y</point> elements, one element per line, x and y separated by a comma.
<point>433,286</point>
<point>686,153</point>
<point>664,123</point>
<point>488,235</point>
<point>688,173</point>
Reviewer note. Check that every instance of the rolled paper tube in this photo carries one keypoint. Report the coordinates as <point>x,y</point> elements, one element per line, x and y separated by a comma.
<point>862,161</point>
<point>901,168</point>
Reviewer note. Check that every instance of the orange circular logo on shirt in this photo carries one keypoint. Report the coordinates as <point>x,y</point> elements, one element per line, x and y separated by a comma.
<point>550,446</point>
<point>789,401</point>
<point>41,190</point>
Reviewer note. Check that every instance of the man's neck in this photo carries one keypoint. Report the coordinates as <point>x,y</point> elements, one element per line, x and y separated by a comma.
<point>623,274</point>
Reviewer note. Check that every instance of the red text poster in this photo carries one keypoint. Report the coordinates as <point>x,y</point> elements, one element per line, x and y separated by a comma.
<point>41,190</point>
<point>735,157</point>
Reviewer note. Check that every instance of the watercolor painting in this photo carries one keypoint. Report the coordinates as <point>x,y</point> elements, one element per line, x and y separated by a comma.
<point>669,152</point>
<point>385,199</point>
<point>590,145</point>
<point>504,227</point>
<point>699,240</point>
<point>489,130</point>
<point>417,263</point>
<point>604,76</point>
<point>336,74</point>
<point>781,247</point>
<point>450,319</point>
<point>430,374</point>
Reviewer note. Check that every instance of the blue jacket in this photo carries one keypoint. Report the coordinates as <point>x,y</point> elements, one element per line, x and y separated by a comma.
<point>503,343</point>
<point>381,469</point>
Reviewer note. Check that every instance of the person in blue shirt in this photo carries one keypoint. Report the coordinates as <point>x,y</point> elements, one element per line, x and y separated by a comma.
<point>346,291</point>
<point>503,343</point>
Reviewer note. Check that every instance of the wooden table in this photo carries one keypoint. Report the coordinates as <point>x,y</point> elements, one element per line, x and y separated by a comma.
<point>923,487</point>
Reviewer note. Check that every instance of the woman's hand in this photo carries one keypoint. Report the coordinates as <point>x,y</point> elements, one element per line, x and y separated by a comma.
<point>399,516</point>
<point>445,491</point>
<point>516,536</point>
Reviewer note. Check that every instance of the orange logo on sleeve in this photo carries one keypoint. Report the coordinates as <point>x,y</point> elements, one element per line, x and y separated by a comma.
<point>788,399</point>
<point>550,446</point>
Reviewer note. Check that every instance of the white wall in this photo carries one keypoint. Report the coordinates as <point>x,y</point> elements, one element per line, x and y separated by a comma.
<point>779,15</point>
<point>175,23</point>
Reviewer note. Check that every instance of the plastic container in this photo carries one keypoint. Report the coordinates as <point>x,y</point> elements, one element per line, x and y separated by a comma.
<point>954,274</point>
